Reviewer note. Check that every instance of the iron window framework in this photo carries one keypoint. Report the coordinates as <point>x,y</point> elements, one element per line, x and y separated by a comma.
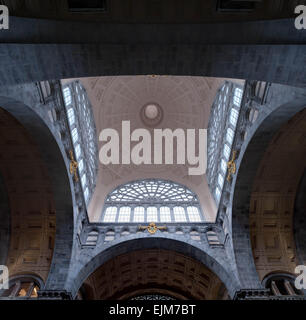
<point>221,133</point>
<point>83,133</point>
<point>152,200</point>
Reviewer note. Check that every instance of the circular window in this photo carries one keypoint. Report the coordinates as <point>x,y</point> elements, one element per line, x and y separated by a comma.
<point>151,114</point>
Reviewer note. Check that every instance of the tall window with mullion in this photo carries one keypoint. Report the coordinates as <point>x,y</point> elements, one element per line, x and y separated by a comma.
<point>221,134</point>
<point>152,200</point>
<point>83,134</point>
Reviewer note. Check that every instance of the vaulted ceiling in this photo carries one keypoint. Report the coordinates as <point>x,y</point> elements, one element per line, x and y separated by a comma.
<point>154,271</point>
<point>185,103</point>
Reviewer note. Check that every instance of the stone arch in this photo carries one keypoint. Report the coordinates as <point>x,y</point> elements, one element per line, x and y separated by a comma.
<point>250,156</point>
<point>299,220</point>
<point>153,242</point>
<point>61,184</point>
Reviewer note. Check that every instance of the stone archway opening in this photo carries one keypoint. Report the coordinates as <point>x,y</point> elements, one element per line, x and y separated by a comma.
<point>30,214</point>
<point>273,198</point>
<point>153,272</point>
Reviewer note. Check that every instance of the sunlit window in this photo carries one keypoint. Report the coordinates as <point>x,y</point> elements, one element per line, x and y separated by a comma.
<point>81,166</point>
<point>75,135</point>
<point>226,151</point>
<point>221,133</point>
<point>124,214</point>
<point>179,214</point>
<point>83,180</point>
<point>139,213</point>
<point>220,180</point>
<point>67,96</point>
<point>152,214</point>
<point>78,151</point>
<point>165,215</point>
<point>83,134</point>
<point>71,116</point>
<point>234,117</point>
<point>86,193</point>
<point>237,97</point>
<point>193,214</point>
<point>110,214</point>
<point>223,166</point>
<point>160,195</point>
<point>230,135</point>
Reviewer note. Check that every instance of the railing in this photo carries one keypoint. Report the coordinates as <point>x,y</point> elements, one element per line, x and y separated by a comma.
<point>104,233</point>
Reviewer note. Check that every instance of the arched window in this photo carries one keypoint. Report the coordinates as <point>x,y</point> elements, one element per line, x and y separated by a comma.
<point>139,214</point>
<point>110,214</point>
<point>281,285</point>
<point>83,134</point>
<point>23,287</point>
<point>179,214</point>
<point>193,214</point>
<point>165,215</point>
<point>221,134</point>
<point>152,200</point>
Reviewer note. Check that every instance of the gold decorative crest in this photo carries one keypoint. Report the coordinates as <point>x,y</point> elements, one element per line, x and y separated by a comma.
<point>152,228</point>
<point>231,165</point>
<point>73,166</point>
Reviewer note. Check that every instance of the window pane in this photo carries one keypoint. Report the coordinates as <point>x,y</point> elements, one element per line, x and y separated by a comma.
<point>67,96</point>
<point>139,214</point>
<point>230,135</point>
<point>237,97</point>
<point>78,151</point>
<point>110,214</point>
<point>152,214</point>
<point>83,180</point>
<point>71,116</point>
<point>218,193</point>
<point>81,166</point>
<point>220,180</point>
<point>226,151</point>
<point>193,214</point>
<point>179,214</point>
<point>223,165</point>
<point>124,214</point>
<point>75,135</point>
<point>165,215</point>
<point>234,117</point>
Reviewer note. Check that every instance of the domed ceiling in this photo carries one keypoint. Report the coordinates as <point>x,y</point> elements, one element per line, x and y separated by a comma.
<point>151,102</point>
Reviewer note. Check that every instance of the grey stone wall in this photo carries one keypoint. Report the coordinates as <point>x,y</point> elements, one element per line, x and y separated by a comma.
<point>88,259</point>
<point>36,49</point>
